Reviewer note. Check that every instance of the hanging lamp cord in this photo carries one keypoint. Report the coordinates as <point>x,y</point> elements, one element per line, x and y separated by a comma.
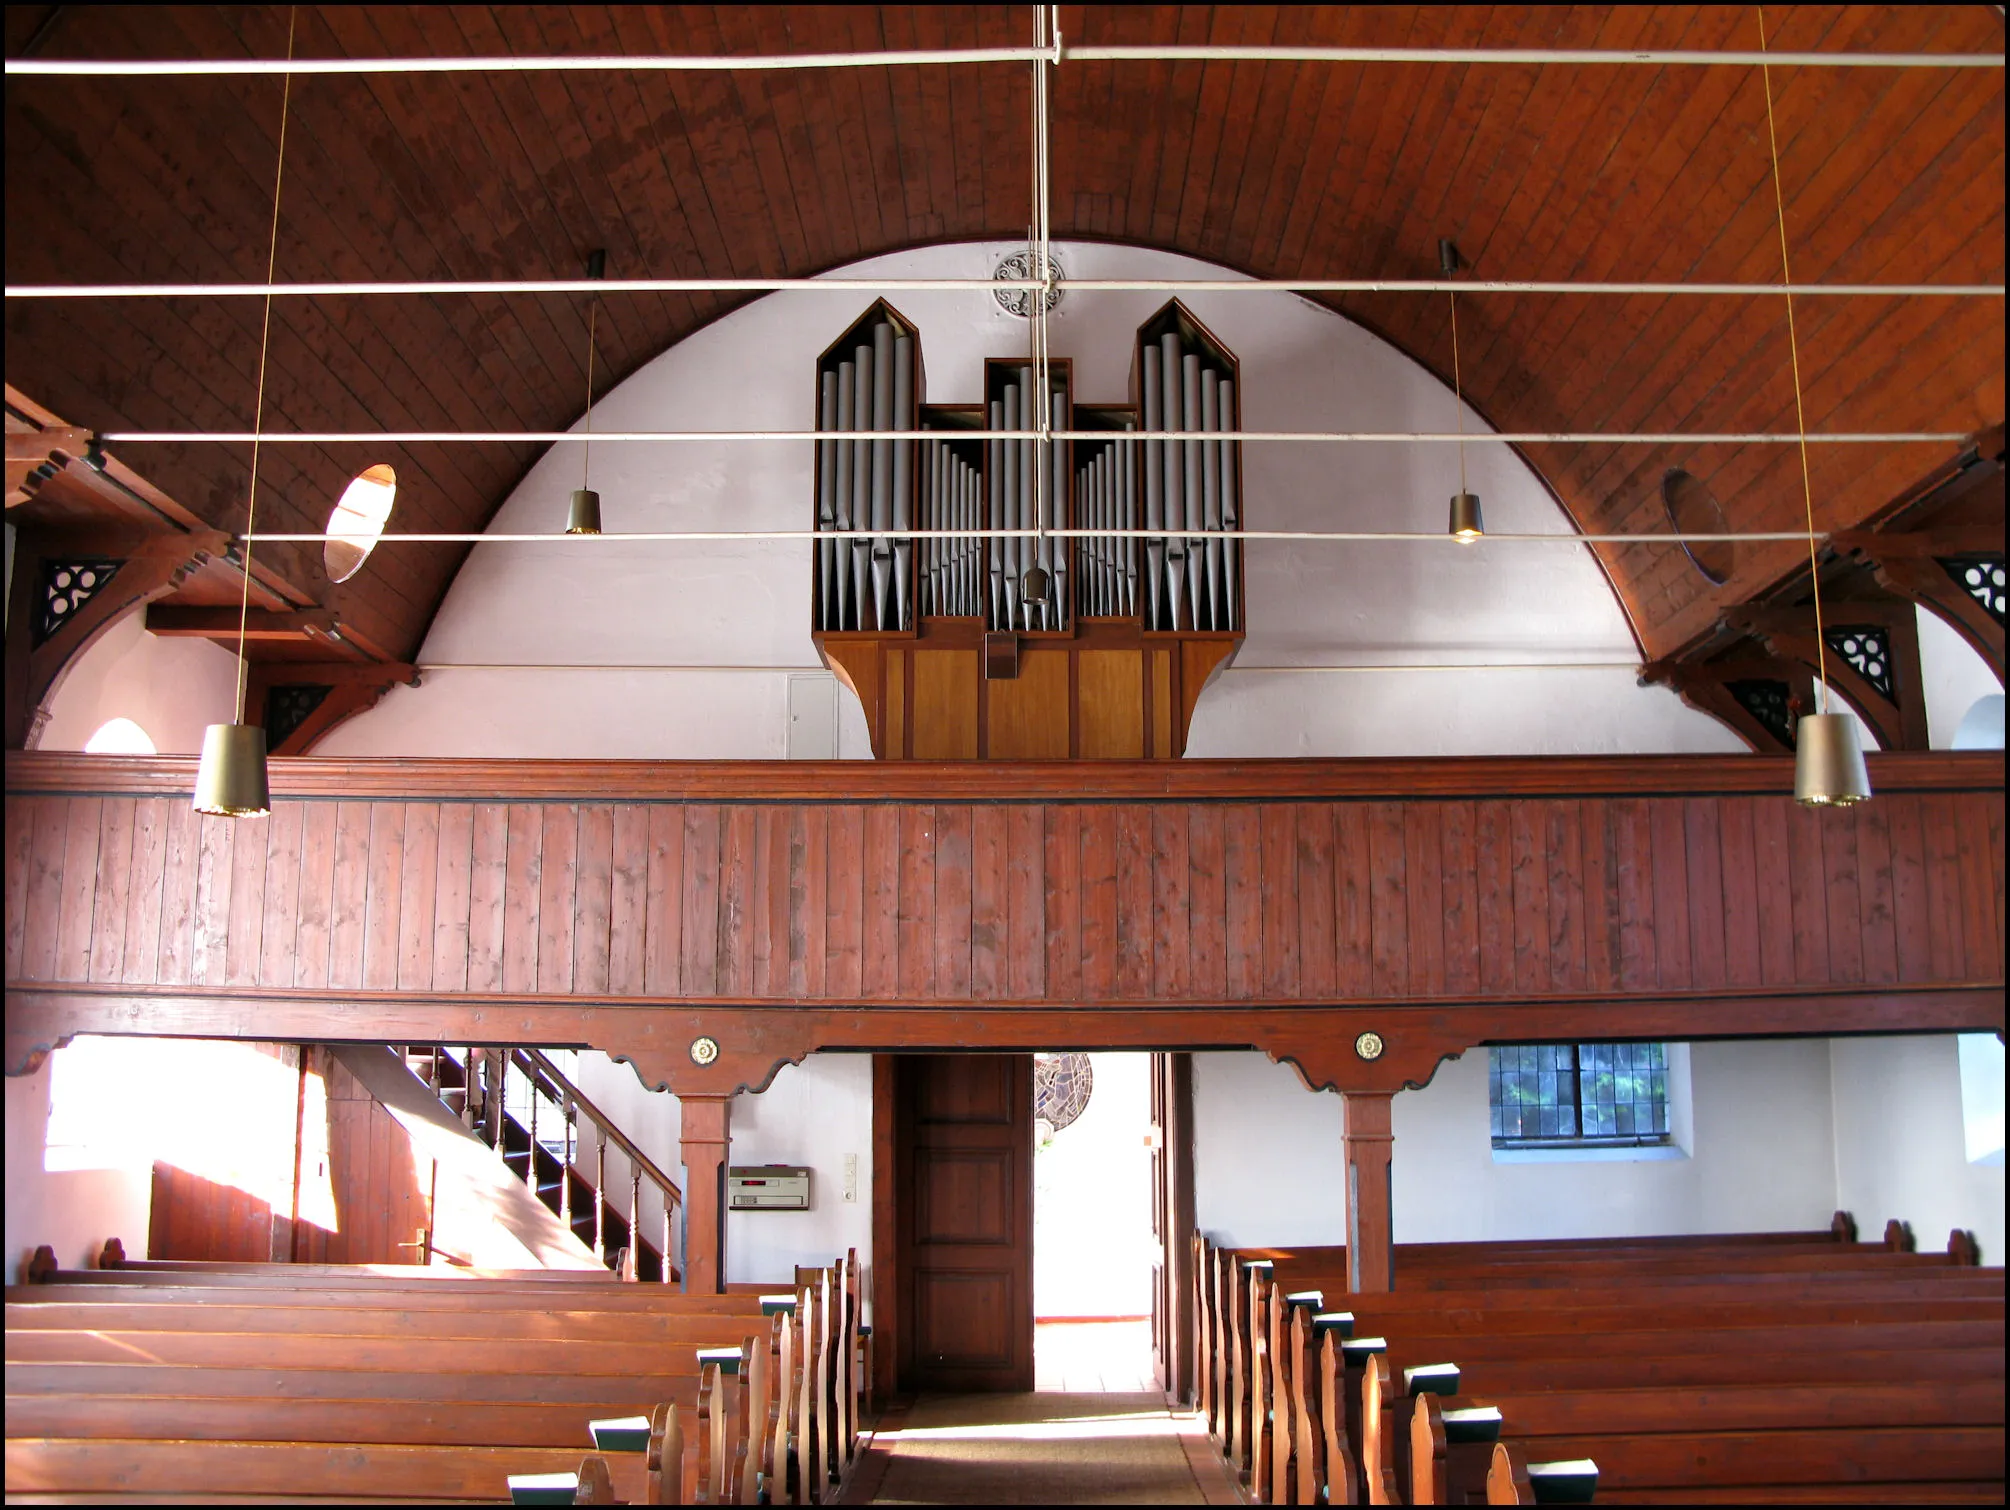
<point>1794,357</point>
<point>586,448</point>
<point>1458,392</point>
<point>264,345</point>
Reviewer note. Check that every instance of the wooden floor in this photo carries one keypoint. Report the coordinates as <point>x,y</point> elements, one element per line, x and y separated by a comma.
<point>1040,1449</point>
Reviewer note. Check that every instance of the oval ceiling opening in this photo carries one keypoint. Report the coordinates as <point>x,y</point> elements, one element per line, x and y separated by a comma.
<point>358,519</point>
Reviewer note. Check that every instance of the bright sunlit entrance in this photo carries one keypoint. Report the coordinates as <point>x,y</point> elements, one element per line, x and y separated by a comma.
<point>1093,1249</point>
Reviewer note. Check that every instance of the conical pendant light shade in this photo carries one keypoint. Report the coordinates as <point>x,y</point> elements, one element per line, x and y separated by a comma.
<point>1036,584</point>
<point>230,781</point>
<point>585,516</point>
<point>1466,525</point>
<point>1828,762</point>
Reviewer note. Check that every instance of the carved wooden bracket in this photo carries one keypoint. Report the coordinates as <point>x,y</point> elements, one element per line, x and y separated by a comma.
<point>34,456</point>
<point>1913,567</point>
<point>1756,696</point>
<point>300,702</point>
<point>1876,669</point>
<point>70,586</point>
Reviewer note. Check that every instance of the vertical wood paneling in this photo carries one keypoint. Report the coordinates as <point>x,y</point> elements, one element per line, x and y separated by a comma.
<point>79,876</point>
<point>244,948</point>
<point>1943,885</point>
<point>879,933</point>
<point>1980,932</point>
<point>23,813</point>
<point>177,897</point>
<point>109,888</point>
<point>1136,913</point>
<point>989,883</point>
<point>1601,897</point>
<point>143,897</point>
<point>279,930</point>
<point>1062,913</point>
<point>593,905</point>
<point>488,896</point>
<point>209,948</point>
<point>1388,911</point>
<point>954,897</point>
<point>1026,885</point>
<point>1313,883</point>
<point>453,904</point>
<point>1277,834</point>
<point>844,904</point>
<point>318,829</point>
<point>1242,885</point>
<point>1526,834</point>
<point>418,887</point>
<point>1459,920</point>
<point>557,896</point>
<point>1098,861</point>
<point>813,910</point>
<point>1806,885</point>
<point>1773,860</point>
<point>738,857</point>
<point>663,936</point>
<point>702,825</point>
<point>1635,849</point>
<point>767,940</point>
<point>1874,899</point>
<point>523,880</point>
<point>1910,927</point>
<point>1207,900</point>
<point>1739,867</point>
<point>1424,891</point>
<point>1673,962</point>
<point>1563,842</point>
<point>1171,879</point>
<point>628,898</point>
<point>1353,930</point>
<point>1703,836</point>
<point>1845,923</point>
<point>916,932</point>
<point>350,890</point>
<point>382,901</point>
<point>1493,874</point>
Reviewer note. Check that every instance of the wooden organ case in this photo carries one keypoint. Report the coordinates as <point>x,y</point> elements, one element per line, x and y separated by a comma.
<point>935,637</point>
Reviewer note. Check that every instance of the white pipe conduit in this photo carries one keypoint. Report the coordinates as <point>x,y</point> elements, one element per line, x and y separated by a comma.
<point>1011,533</point>
<point>1378,437</point>
<point>1526,57</point>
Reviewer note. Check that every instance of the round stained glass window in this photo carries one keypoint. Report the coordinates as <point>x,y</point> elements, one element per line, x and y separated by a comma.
<point>1061,1087</point>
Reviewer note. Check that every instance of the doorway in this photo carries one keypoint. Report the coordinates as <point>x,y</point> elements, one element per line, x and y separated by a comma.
<point>1095,1247</point>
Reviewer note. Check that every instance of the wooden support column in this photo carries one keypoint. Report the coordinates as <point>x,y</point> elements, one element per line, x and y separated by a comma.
<point>1371,1259</point>
<point>706,1139</point>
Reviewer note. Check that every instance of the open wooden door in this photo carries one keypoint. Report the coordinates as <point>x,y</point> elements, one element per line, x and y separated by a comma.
<point>963,1167</point>
<point>1172,1224</point>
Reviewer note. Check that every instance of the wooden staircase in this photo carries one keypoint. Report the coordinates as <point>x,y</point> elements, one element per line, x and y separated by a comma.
<point>551,1136</point>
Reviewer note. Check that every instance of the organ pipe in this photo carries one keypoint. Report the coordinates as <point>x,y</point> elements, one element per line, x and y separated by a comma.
<point>861,485</point>
<point>902,418</point>
<point>1231,510</point>
<point>1155,547</point>
<point>846,467</point>
<point>995,548</point>
<point>1175,482</point>
<point>1190,462</point>
<point>882,474</point>
<point>827,419</point>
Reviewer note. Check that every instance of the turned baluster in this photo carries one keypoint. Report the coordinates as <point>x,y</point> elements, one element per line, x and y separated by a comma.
<point>468,1079</point>
<point>530,1159</point>
<point>600,1196</point>
<point>666,1235</point>
<point>634,1218</point>
<point>566,1114</point>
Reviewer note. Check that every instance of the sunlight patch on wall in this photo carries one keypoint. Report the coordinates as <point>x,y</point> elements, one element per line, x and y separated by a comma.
<point>120,736</point>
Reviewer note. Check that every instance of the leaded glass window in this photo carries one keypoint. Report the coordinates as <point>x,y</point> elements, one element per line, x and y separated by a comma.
<point>1586,1095</point>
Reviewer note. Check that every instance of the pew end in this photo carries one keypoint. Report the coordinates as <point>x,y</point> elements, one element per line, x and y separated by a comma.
<point>1843,1226</point>
<point>112,1255</point>
<point>1963,1249</point>
<point>596,1484</point>
<point>1507,1476</point>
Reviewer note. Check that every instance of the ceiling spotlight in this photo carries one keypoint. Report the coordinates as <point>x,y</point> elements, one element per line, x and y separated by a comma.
<point>1466,525</point>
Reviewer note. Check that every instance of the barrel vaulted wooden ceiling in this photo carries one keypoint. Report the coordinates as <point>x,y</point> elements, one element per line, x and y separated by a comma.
<point>1282,170</point>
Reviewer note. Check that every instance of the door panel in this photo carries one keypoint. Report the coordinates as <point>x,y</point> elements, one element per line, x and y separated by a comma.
<point>964,1173</point>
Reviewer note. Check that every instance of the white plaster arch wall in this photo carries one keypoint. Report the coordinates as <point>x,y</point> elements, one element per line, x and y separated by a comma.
<point>735,615</point>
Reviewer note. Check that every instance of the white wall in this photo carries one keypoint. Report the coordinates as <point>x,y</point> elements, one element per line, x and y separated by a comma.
<point>73,1210</point>
<point>172,688</point>
<point>816,1113</point>
<point>1900,1147</point>
<point>1955,676</point>
<point>1268,1164</point>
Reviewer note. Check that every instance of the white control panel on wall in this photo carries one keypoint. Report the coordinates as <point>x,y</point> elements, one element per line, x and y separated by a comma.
<point>851,1177</point>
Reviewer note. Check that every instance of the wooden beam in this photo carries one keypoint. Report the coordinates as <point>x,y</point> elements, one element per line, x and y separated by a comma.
<point>1909,565</point>
<point>1367,1142</point>
<point>706,1140</point>
<point>222,623</point>
<point>30,452</point>
<point>1898,718</point>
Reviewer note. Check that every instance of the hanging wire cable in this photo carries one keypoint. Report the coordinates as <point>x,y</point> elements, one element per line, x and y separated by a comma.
<point>264,346</point>
<point>586,441</point>
<point>1794,359</point>
<point>1458,392</point>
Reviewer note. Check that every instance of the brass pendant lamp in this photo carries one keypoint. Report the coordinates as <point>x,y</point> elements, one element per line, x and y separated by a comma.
<point>584,516</point>
<point>1829,768</point>
<point>1466,523</point>
<point>230,780</point>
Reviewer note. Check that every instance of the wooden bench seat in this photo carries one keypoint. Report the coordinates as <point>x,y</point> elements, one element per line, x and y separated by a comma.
<point>663,1326</point>
<point>443,1295</point>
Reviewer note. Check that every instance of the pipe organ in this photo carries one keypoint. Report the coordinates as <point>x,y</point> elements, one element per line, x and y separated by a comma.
<point>949,655</point>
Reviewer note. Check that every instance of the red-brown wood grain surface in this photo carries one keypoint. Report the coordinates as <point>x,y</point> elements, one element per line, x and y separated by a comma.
<point>1481,883</point>
<point>1281,169</point>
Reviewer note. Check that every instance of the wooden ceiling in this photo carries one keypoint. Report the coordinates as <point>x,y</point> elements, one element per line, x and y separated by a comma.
<point>1283,170</point>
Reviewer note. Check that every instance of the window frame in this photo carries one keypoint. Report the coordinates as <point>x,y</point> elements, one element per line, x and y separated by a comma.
<point>1639,1143</point>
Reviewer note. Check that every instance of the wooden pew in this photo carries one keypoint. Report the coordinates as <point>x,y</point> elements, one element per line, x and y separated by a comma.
<point>367,1371</point>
